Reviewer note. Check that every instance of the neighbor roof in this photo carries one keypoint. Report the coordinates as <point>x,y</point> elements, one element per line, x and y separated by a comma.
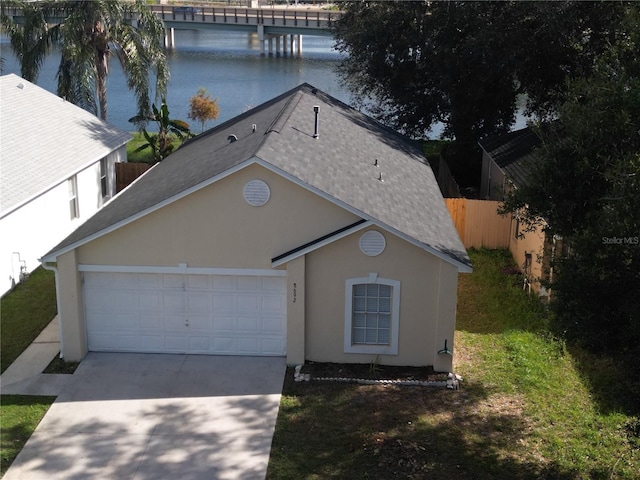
<point>355,162</point>
<point>514,153</point>
<point>44,140</point>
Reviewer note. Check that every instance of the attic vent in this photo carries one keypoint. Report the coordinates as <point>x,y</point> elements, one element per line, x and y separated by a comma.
<point>372,243</point>
<point>21,85</point>
<point>232,138</point>
<point>256,193</point>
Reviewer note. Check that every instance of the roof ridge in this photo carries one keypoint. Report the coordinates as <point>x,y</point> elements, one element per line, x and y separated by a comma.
<point>285,113</point>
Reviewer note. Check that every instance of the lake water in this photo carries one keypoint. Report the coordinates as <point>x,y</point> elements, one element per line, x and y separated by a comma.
<point>227,64</point>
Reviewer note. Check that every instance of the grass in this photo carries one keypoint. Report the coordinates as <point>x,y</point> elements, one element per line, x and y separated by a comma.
<point>143,156</point>
<point>20,415</point>
<point>24,312</point>
<point>530,407</point>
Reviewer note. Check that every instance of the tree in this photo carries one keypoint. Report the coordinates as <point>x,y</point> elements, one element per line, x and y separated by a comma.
<point>162,143</point>
<point>91,33</point>
<point>466,64</point>
<point>202,108</point>
<point>586,186</point>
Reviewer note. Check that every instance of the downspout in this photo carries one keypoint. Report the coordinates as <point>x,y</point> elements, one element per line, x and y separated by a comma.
<point>52,268</point>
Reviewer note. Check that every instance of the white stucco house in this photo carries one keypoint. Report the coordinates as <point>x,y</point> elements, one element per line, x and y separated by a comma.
<point>56,170</point>
<point>301,228</point>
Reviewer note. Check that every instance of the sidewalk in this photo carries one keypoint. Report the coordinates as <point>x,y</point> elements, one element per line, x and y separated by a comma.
<point>24,376</point>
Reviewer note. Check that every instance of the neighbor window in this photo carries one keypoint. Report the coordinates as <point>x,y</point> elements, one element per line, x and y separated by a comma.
<point>74,209</point>
<point>104,178</point>
<point>371,315</point>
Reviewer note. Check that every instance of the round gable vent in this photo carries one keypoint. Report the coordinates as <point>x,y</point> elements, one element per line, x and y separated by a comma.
<point>256,193</point>
<point>372,243</point>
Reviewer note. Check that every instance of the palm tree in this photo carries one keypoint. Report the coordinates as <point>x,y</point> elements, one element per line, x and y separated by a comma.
<point>91,32</point>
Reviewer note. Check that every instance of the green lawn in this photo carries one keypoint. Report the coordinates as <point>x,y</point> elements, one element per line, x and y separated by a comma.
<point>529,407</point>
<point>24,312</point>
<point>19,416</point>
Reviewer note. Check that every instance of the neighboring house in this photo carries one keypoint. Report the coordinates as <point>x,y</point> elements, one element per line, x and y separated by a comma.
<point>301,228</point>
<point>56,170</point>
<point>506,164</point>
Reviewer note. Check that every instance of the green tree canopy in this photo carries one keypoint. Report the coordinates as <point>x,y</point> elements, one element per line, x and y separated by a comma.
<point>90,34</point>
<point>586,186</point>
<point>467,64</point>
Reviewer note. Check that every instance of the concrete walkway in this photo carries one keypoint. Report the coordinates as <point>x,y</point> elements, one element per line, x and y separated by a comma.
<point>148,416</point>
<point>24,376</point>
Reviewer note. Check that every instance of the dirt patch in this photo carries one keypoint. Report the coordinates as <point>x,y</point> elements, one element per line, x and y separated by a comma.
<point>371,371</point>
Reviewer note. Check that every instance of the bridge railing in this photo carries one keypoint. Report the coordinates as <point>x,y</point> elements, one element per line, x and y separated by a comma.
<point>269,17</point>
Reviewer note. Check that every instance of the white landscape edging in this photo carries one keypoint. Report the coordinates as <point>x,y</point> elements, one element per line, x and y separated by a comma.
<point>452,382</point>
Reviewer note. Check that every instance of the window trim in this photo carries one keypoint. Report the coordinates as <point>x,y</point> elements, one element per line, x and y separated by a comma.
<point>392,348</point>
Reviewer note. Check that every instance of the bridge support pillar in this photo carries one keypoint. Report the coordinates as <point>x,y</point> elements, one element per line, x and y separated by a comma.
<point>169,38</point>
<point>299,44</point>
<point>284,44</point>
<point>261,38</point>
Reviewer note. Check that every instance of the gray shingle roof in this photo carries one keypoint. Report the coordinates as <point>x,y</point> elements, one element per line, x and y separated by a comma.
<point>339,164</point>
<point>44,140</point>
<point>514,153</point>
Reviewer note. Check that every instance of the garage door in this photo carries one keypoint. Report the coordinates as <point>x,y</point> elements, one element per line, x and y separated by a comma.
<point>184,313</point>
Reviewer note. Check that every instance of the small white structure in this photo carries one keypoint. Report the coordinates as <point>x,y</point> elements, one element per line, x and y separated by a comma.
<point>56,170</point>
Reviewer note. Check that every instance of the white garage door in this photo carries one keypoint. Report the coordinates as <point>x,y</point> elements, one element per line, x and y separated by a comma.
<point>184,313</point>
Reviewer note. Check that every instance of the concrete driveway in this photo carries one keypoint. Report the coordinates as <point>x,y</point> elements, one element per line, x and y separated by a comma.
<point>147,416</point>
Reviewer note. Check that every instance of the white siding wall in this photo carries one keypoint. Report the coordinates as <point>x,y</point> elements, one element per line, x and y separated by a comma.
<point>36,227</point>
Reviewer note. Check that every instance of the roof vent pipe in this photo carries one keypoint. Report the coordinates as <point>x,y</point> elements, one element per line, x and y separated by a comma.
<point>316,109</point>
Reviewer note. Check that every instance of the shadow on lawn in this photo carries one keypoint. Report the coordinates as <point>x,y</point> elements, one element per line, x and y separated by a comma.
<point>386,432</point>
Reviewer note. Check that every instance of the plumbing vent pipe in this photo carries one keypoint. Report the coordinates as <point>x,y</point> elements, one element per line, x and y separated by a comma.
<point>316,109</point>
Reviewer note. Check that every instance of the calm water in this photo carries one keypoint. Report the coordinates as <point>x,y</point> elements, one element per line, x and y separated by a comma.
<point>227,64</point>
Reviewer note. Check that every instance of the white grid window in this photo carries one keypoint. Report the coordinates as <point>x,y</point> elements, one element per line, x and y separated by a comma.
<point>74,210</point>
<point>371,324</point>
<point>372,307</point>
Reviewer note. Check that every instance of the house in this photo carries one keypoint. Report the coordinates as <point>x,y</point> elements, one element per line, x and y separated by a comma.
<point>56,170</point>
<point>506,164</point>
<point>300,228</point>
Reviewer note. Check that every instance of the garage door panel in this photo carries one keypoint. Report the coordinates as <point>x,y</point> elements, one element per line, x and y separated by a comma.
<point>223,282</point>
<point>150,302</point>
<point>175,313</point>
<point>199,303</point>
<point>248,324</point>
<point>247,284</point>
<point>223,324</point>
<point>174,302</point>
<point>248,304</point>
<point>151,321</point>
<point>272,325</point>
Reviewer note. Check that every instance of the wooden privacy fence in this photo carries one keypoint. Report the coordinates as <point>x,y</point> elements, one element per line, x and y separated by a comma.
<point>479,224</point>
<point>126,173</point>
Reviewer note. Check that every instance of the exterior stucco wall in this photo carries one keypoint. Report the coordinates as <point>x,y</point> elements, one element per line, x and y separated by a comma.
<point>36,227</point>
<point>216,227</point>
<point>427,301</point>
<point>73,334</point>
<point>524,242</point>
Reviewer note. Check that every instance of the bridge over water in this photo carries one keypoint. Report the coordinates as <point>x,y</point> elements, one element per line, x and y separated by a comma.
<point>283,27</point>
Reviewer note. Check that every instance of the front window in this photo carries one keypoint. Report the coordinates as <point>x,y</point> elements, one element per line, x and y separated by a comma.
<point>372,315</point>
